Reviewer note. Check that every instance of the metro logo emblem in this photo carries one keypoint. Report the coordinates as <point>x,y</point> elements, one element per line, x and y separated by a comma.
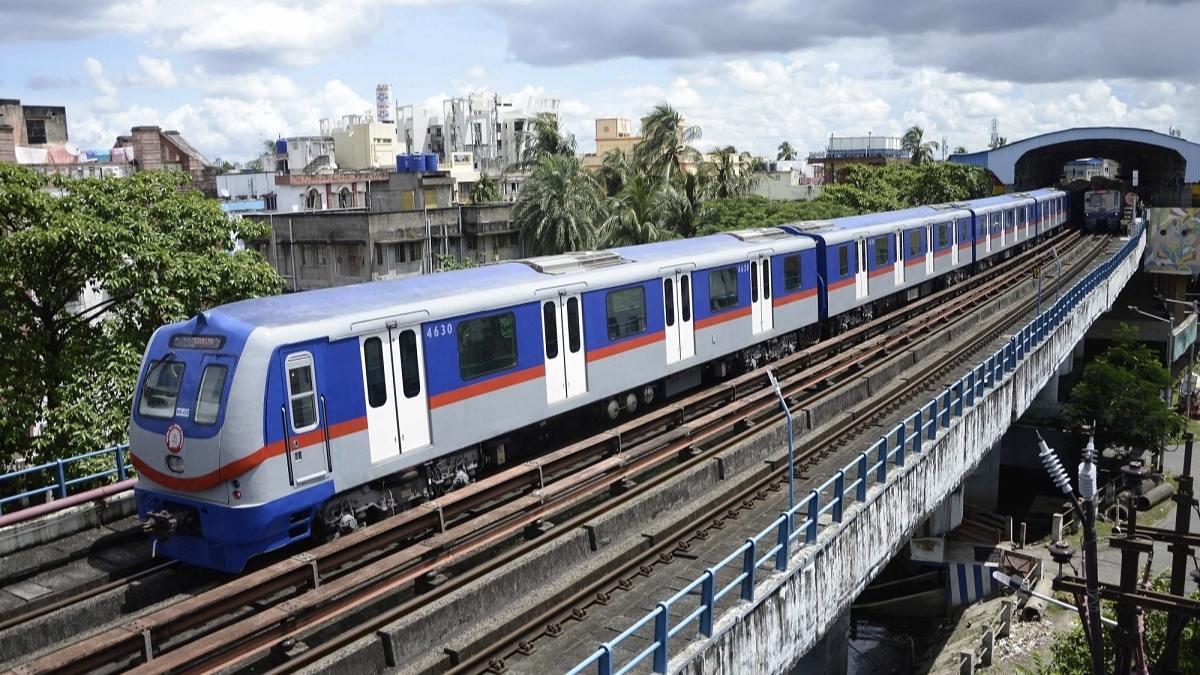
<point>174,438</point>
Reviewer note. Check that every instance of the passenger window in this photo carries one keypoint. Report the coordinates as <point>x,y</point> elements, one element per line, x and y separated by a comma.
<point>791,273</point>
<point>766,281</point>
<point>722,289</point>
<point>669,302</point>
<point>685,296</point>
<point>208,399</point>
<point>376,372</point>
<point>881,251</point>
<point>302,393</point>
<point>573,337</point>
<point>754,281</point>
<point>410,367</point>
<point>843,260</point>
<point>161,389</point>
<point>487,345</point>
<point>626,312</point>
<point>914,243</point>
<point>550,328</point>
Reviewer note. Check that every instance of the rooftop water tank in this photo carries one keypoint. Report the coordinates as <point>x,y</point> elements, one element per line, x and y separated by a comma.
<point>281,147</point>
<point>431,162</point>
<point>418,162</point>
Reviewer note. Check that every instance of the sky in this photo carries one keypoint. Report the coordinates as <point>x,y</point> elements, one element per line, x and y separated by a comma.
<point>229,74</point>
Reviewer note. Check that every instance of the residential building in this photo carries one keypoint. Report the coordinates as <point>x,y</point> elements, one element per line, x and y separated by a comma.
<point>786,180</point>
<point>151,148</point>
<point>491,127</point>
<point>410,222</point>
<point>304,154</point>
<point>612,133</point>
<point>34,125</point>
<point>1089,168</point>
<point>844,151</point>
<point>362,143</point>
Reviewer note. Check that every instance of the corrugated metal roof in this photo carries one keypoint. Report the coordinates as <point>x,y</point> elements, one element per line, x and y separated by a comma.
<point>1003,160</point>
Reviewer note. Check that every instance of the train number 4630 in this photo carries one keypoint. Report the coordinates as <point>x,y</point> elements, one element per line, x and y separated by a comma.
<point>438,330</point>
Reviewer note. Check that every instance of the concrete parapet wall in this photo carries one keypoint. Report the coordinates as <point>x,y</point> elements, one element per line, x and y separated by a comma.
<point>794,609</point>
<point>54,526</point>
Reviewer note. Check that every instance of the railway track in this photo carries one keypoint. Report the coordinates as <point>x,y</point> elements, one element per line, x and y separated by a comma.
<point>256,614</point>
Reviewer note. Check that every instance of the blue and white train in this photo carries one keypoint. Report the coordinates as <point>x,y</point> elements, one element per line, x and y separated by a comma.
<point>260,422</point>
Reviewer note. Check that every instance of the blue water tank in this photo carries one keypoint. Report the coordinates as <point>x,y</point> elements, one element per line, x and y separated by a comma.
<point>281,147</point>
<point>431,162</point>
<point>419,162</point>
<point>400,163</point>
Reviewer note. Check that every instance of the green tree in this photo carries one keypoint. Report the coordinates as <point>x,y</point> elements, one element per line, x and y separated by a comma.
<point>741,213</point>
<point>544,137</point>
<point>728,173</point>
<point>786,152</point>
<point>558,208</point>
<point>869,189</point>
<point>665,150</point>
<point>484,191</point>
<point>959,150</point>
<point>682,206</point>
<point>614,170</point>
<point>632,215</point>
<point>916,146</point>
<point>160,254</point>
<point>1120,393</point>
<point>447,263</point>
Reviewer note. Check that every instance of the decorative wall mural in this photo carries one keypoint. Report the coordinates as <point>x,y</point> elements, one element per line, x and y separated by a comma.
<point>1171,246</point>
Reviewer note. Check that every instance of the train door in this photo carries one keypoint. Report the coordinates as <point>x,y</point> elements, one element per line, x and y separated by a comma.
<point>928,250</point>
<point>987,232</point>
<point>860,272</point>
<point>397,403</point>
<point>954,242</point>
<point>562,329</point>
<point>899,258</point>
<point>304,420</point>
<point>677,316</point>
<point>762,314</point>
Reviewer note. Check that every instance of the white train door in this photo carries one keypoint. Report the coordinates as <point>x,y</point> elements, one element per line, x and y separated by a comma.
<point>680,333</point>
<point>928,250</point>
<point>899,237</point>
<point>954,242</point>
<point>987,232</point>
<point>397,402</point>
<point>562,333</point>
<point>762,314</point>
<point>860,272</point>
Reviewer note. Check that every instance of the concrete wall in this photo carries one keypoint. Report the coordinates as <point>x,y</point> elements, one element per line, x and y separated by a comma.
<point>793,610</point>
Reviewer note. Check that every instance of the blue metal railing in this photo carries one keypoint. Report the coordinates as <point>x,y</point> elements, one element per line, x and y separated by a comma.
<point>869,468</point>
<point>54,475</point>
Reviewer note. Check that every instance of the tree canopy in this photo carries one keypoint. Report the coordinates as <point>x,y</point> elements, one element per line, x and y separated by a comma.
<point>916,146</point>
<point>484,191</point>
<point>151,254</point>
<point>1120,392</point>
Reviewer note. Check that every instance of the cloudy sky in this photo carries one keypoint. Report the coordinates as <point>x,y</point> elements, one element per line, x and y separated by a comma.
<point>229,73</point>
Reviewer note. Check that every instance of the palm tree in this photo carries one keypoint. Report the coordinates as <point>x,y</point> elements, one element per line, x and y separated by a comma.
<point>959,150</point>
<point>786,152</point>
<point>543,137</point>
<point>729,174</point>
<point>558,207</point>
<point>484,191</point>
<point>614,170</point>
<point>632,215</point>
<point>665,149</point>
<point>915,144</point>
<point>681,207</point>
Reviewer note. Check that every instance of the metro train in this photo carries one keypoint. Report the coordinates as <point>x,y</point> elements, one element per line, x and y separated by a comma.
<point>263,422</point>
<point>1101,210</point>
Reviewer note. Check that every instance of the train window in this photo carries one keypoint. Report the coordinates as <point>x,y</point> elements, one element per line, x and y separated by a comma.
<point>943,235</point>
<point>208,399</point>
<point>669,301</point>
<point>487,345</point>
<point>722,289</point>
<point>881,251</point>
<point>410,369</point>
<point>791,273</point>
<point>550,328</point>
<point>963,232</point>
<point>843,260</point>
<point>302,392</point>
<point>914,243</point>
<point>626,312</point>
<point>685,296</point>
<point>573,341</point>
<point>766,274</point>
<point>161,388</point>
<point>376,373</point>
<point>754,281</point>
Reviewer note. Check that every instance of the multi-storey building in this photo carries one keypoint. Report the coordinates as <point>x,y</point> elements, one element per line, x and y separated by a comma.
<point>612,133</point>
<point>843,151</point>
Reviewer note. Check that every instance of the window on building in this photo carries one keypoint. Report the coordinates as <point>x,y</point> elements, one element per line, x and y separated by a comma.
<point>345,198</point>
<point>302,392</point>
<point>271,202</point>
<point>376,372</point>
<point>791,273</point>
<point>722,289</point>
<point>626,310</point>
<point>160,389</point>
<point>312,199</point>
<point>486,345</point>
<point>379,255</point>
<point>429,198</point>
<point>881,251</point>
<point>408,200</point>
<point>208,399</point>
<point>843,260</point>
<point>283,257</point>
<point>35,131</point>
<point>350,260</point>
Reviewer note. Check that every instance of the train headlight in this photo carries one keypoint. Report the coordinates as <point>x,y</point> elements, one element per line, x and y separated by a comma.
<point>175,463</point>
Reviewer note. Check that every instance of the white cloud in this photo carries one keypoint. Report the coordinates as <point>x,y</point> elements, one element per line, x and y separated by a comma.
<point>106,99</point>
<point>155,73</point>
